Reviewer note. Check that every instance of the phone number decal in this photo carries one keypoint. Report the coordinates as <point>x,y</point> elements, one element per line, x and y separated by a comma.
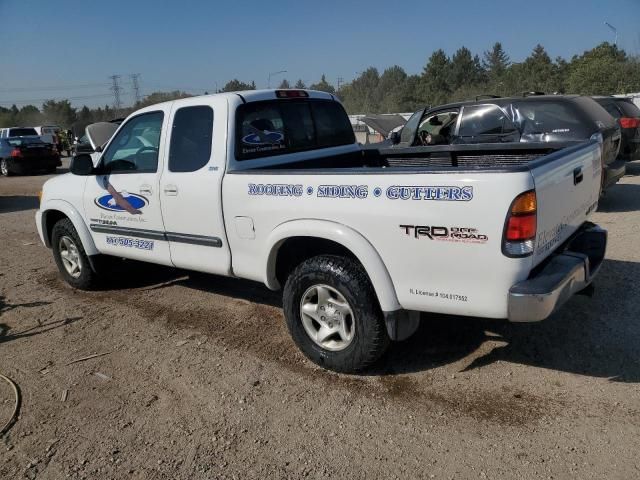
<point>130,243</point>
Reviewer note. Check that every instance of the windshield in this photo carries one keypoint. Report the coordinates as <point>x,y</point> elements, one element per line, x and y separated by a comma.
<point>21,132</point>
<point>16,142</point>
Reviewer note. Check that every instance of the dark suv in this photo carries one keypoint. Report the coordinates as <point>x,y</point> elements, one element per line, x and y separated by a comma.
<point>529,118</point>
<point>628,117</point>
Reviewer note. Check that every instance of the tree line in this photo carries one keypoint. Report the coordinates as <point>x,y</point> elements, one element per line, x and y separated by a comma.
<point>603,70</point>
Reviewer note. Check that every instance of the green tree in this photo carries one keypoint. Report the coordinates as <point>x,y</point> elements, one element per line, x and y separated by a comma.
<point>323,85</point>
<point>300,84</point>
<point>391,89</point>
<point>435,85</point>
<point>59,113</point>
<point>152,99</point>
<point>284,84</point>
<point>495,62</point>
<point>29,115</point>
<point>236,85</point>
<point>603,70</point>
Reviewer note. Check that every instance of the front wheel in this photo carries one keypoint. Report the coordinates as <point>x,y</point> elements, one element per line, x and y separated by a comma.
<point>70,257</point>
<point>333,315</point>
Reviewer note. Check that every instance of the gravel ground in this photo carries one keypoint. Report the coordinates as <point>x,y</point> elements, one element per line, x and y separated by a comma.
<point>201,380</point>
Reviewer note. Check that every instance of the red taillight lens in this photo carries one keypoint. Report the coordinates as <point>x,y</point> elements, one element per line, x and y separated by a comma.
<point>521,226</point>
<point>291,94</point>
<point>16,152</point>
<point>629,122</point>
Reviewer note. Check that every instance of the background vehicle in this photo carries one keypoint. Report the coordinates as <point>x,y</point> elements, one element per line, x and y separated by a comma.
<point>24,155</point>
<point>274,188</point>
<point>627,114</point>
<point>18,132</point>
<point>534,118</point>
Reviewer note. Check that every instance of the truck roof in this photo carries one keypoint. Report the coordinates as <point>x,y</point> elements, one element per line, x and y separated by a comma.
<point>252,96</point>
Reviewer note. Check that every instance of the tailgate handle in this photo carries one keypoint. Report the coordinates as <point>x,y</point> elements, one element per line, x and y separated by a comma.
<point>577,176</point>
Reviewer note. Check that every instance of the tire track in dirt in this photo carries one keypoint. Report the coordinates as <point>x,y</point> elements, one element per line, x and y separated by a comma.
<point>241,325</point>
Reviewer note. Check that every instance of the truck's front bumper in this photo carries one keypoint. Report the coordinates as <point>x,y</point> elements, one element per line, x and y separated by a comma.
<point>563,275</point>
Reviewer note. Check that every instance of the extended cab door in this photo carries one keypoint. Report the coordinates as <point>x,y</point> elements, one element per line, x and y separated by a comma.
<point>122,206</point>
<point>190,186</point>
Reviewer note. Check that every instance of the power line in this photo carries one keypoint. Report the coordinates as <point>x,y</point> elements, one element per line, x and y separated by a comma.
<point>53,87</point>
<point>40,100</point>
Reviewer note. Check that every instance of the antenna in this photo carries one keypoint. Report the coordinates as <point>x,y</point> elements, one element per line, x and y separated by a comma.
<point>135,85</point>
<point>116,89</point>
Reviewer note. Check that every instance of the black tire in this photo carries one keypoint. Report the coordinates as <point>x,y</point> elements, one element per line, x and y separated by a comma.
<point>87,278</point>
<point>370,340</point>
<point>4,168</point>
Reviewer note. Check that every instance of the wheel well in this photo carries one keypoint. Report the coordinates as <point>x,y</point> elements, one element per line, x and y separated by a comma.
<point>296,250</point>
<point>51,218</point>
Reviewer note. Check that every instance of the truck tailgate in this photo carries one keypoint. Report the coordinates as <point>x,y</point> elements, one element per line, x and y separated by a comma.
<point>567,187</point>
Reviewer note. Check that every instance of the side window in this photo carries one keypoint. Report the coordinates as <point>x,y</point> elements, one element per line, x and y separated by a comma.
<point>612,109</point>
<point>191,136</point>
<point>332,125</point>
<point>484,120</point>
<point>135,147</point>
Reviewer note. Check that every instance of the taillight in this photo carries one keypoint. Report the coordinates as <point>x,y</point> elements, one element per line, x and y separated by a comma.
<point>629,122</point>
<point>16,152</point>
<point>521,225</point>
<point>291,94</point>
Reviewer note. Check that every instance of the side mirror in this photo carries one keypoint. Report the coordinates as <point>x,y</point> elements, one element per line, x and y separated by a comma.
<point>395,138</point>
<point>81,164</point>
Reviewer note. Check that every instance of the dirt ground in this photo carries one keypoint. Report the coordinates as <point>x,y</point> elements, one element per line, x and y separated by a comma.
<point>200,379</point>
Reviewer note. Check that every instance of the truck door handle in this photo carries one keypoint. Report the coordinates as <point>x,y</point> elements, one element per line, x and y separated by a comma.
<point>171,190</point>
<point>577,176</point>
<point>146,189</point>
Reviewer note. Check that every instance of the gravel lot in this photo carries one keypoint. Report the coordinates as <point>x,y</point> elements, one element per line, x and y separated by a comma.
<point>201,380</point>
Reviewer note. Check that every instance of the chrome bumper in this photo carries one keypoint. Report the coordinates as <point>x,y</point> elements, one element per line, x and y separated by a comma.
<point>564,274</point>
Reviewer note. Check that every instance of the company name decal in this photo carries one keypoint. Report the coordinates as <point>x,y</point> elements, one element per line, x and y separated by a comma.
<point>456,194</point>
<point>395,192</point>
<point>447,234</point>
<point>275,190</point>
<point>343,191</point>
<point>122,202</point>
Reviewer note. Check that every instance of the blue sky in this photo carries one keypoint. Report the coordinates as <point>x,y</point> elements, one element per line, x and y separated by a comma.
<point>191,45</point>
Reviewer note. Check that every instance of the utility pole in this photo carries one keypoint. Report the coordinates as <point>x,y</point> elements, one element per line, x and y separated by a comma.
<point>135,85</point>
<point>116,89</point>
<point>340,82</point>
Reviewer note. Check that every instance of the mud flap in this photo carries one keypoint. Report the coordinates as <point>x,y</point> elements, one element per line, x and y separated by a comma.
<point>401,324</point>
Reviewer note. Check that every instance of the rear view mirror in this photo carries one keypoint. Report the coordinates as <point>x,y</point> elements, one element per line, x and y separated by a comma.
<point>395,138</point>
<point>81,164</point>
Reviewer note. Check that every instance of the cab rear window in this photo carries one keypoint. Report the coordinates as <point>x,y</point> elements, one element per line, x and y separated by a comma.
<point>285,126</point>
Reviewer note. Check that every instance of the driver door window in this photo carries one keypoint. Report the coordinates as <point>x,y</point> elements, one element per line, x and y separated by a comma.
<point>135,147</point>
<point>438,128</point>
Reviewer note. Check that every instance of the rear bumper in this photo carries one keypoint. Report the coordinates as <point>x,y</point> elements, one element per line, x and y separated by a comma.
<point>565,274</point>
<point>614,172</point>
<point>30,164</point>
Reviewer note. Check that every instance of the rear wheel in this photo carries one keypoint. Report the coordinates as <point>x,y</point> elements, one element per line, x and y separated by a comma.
<point>4,168</point>
<point>70,257</point>
<point>333,315</point>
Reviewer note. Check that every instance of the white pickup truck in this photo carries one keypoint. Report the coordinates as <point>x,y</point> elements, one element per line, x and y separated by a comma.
<point>271,186</point>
